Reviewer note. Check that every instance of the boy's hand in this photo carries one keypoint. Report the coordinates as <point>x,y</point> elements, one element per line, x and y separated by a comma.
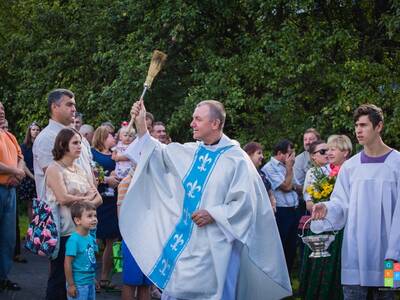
<point>72,292</point>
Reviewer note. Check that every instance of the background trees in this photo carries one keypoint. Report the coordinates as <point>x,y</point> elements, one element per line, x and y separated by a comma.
<point>278,66</point>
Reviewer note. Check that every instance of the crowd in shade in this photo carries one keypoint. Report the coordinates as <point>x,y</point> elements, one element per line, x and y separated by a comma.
<point>208,219</point>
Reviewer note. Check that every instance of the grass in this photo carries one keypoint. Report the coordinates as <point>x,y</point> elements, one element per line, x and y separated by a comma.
<point>23,224</point>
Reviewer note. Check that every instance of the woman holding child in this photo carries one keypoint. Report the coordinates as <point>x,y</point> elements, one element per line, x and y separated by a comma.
<point>66,184</point>
<point>320,277</point>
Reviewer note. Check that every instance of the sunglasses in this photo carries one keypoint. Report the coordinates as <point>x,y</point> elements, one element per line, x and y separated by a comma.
<point>322,151</point>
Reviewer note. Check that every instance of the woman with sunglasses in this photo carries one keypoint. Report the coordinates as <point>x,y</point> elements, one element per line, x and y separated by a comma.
<point>320,277</point>
<point>319,158</point>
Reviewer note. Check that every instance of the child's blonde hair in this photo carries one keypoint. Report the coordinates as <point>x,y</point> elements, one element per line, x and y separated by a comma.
<point>127,129</point>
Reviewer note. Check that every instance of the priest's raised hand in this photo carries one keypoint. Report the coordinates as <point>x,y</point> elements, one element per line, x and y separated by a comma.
<point>138,114</point>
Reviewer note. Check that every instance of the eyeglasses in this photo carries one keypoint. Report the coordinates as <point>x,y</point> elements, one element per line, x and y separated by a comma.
<point>322,151</point>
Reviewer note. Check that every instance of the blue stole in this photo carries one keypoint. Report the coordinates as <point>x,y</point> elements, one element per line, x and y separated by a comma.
<point>194,184</point>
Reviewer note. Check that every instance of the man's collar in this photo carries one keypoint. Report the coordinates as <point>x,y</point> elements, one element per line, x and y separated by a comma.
<point>222,142</point>
<point>54,123</point>
<point>276,162</point>
<point>215,143</point>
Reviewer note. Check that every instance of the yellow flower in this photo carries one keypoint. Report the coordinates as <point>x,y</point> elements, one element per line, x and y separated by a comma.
<point>325,185</point>
<point>310,189</point>
<point>317,195</point>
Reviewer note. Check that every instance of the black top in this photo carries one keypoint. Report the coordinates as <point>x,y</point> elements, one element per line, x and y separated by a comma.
<point>264,178</point>
<point>28,156</point>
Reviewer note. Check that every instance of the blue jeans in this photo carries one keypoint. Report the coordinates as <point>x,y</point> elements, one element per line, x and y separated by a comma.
<point>85,292</point>
<point>7,229</point>
<point>357,292</point>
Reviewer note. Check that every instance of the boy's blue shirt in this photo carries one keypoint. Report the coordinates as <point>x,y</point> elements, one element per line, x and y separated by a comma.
<point>83,249</point>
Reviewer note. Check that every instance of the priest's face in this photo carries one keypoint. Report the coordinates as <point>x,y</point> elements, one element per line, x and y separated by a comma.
<point>365,132</point>
<point>203,127</point>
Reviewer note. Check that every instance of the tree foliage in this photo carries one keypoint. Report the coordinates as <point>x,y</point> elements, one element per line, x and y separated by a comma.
<point>278,66</point>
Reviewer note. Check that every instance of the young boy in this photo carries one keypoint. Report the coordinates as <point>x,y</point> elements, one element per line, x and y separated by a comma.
<point>80,258</point>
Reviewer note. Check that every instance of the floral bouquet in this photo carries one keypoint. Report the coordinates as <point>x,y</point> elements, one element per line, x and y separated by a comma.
<point>98,172</point>
<point>322,187</point>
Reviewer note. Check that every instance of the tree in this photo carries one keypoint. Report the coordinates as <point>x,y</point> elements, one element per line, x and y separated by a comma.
<point>278,66</point>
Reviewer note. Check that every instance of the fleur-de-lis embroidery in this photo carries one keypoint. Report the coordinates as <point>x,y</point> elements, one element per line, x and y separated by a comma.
<point>186,216</point>
<point>178,241</point>
<point>193,187</point>
<point>205,160</point>
<point>165,267</point>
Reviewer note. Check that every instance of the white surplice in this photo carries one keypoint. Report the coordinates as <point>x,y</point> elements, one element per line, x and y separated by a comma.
<point>366,202</point>
<point>235,197</point>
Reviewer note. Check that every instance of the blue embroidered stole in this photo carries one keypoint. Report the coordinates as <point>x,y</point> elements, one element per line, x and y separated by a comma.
<point>194,185</point>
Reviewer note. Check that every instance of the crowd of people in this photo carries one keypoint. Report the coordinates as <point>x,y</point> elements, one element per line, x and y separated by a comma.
<point>202,220</point>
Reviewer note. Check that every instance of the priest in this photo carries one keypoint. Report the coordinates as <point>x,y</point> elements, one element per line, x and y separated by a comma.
<point>197,218</point>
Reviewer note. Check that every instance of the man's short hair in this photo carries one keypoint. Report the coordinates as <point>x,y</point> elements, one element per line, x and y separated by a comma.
<point>217,111</point>
<point>85,129</point>
<point>282,146</point>
<point>374,113</point>
<point>78,115</point>
<point>314,131</point>
<point>56,95</point>
<point>159,123</point>
<point>78,208</point>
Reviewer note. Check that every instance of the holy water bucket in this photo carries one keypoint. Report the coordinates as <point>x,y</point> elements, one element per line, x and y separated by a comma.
<point>318,243</point>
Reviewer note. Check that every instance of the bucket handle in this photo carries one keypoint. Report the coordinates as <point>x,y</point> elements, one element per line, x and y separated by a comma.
<point>309,220</point>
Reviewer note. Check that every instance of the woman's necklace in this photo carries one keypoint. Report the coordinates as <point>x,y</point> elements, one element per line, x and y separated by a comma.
<point>106,152</point>
<point>69,168</point>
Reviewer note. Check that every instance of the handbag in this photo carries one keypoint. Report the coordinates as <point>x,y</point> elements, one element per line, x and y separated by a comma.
<point>43,236</point>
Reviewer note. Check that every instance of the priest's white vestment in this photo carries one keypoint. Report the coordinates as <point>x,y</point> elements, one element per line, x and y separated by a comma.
<point>366,202</point>
<point>191,262</point>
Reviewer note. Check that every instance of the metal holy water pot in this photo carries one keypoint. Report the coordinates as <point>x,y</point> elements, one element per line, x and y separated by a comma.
<point>318,243</point>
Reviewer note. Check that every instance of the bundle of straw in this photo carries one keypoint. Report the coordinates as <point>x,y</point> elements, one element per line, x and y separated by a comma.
<point>157,61</point>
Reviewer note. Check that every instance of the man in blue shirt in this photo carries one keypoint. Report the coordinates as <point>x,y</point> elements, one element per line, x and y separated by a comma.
<point>279,171</point>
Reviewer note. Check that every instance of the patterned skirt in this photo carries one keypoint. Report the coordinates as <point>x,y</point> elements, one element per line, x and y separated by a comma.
<point>320,277</point>
<point>26,190</point>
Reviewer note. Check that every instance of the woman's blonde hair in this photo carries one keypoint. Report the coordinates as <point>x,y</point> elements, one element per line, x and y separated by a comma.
<point>341,142</point>
<point>99,137</point>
